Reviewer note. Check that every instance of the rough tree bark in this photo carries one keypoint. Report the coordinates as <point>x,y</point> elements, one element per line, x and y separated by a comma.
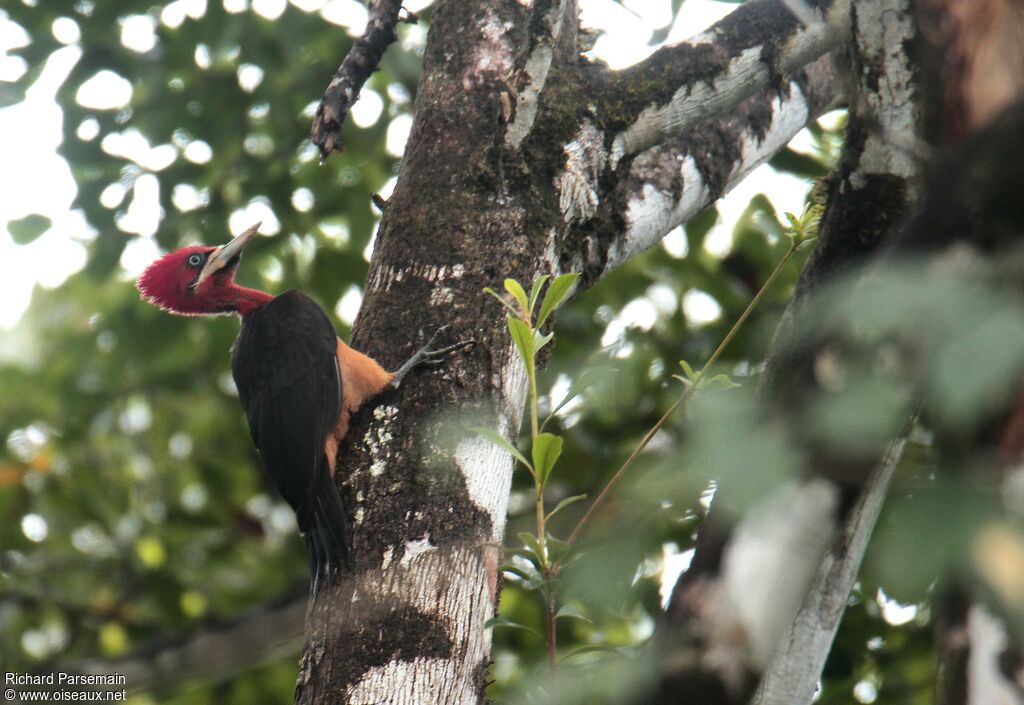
<point>522,160</point>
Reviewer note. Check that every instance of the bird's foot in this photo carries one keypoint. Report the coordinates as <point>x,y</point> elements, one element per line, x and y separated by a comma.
<point>428,356</point>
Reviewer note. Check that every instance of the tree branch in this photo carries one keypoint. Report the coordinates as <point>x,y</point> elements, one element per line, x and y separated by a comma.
<point>213,653</point>
<point>670,184</point>
<point>744,53</point>
<point>793,674</point>
<point>667,185</point>
<point>361,61</point>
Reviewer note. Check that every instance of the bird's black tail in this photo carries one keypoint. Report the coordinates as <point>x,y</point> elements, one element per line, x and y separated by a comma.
<point>326,535</point>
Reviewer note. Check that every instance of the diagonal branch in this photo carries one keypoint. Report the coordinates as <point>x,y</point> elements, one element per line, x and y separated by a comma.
<point>214,652</point>
<point>713,158</point>
<point>667,185</point>
<point>797,666</point>
<point>744,53</point>
<point>361,61</point>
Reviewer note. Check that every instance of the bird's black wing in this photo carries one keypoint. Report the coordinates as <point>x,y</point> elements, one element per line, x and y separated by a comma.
<point>286,370</point>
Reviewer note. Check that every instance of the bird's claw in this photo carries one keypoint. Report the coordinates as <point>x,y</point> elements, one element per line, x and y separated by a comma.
<point>438,332</point>
<point>426,356</point>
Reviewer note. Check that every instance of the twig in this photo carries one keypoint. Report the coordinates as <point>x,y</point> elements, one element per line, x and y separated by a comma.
<point>361,61</point>
<point>687,393</point>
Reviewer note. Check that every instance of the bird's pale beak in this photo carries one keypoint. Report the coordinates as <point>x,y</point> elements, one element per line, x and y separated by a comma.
<point>225,254</point>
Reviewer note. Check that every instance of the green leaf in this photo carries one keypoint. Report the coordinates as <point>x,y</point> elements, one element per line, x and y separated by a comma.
<point>514,570</point>
<point>530,556</point>
<point>494,622</point>
<point>571,612</point>
<point>565,503</point>
<point>687,370</point>
<point>618,651</point>
<point>558,550</point>
<point>531,542</point>
<point>516,289</point>
<point>555,294</point>
<point>546,450</point>
<point>535,291</point>
<point>539,341</point>
<point>25,230</point>
<point>719,381</point>
<point>805,166</point>
<point>11,94</point>
<point>523,337</point>
<point>498,440</point>
<point>501,300</point>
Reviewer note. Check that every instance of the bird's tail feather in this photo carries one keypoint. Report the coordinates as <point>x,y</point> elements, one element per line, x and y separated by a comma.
<point>326,536</point>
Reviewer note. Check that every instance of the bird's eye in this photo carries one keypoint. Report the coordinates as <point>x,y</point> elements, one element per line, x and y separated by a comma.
<point>194,260</point>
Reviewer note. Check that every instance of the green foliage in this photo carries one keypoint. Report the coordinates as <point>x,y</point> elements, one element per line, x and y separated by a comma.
<point>546,555</point>
<point>25,230</point>
<point>121,437</point>
<point>540,551</point>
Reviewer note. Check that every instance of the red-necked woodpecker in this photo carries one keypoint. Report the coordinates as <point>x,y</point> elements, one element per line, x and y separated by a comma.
<point>299,383</point>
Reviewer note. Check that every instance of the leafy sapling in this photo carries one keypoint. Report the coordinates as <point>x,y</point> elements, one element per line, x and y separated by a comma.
<point>541,551</point>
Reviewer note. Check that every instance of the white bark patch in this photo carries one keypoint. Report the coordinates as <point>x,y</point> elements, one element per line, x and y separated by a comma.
<point>419,682</point>
<point>442,296</point>
<point>493,55</point>
<point>378,436</point>
<point>451,586</point>
<point>746,74</point>
<point>488,473</point>
<point>486,468</point>
<point>385,276</point>
<point>986,684</point>
<point>653,212</point>
<point>767,567</point>
<point>577,184</point>
<point>416,548</point>
<point>412,549</point>
<point>536,68</point>
<point>882,33</point>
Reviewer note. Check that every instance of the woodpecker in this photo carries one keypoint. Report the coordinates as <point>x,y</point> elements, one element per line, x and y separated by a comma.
<point>298,382</point>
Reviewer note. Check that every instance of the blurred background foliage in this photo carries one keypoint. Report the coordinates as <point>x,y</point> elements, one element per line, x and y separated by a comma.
<point>135,516</point>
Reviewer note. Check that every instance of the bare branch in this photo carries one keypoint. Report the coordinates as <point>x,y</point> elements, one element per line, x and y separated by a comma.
<point>213,653</point>
<point>671,183</point>
<point>796,668</point>
<point>742,54</point>
<point>361,61</point>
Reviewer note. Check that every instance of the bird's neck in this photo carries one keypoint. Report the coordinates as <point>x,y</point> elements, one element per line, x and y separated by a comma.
<point>246,301</point>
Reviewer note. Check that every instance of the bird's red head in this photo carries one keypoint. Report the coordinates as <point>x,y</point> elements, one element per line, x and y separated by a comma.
<point>196,281</point>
